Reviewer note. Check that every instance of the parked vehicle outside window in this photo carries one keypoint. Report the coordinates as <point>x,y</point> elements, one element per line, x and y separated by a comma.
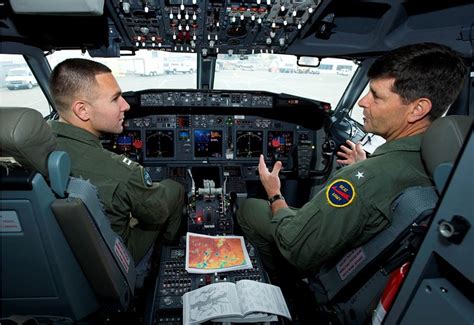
<point>174,67</point>
<point>20,78</point>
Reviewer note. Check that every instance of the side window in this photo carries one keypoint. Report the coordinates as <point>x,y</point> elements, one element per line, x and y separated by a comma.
<point>356,111</point>
<point>370,141</point>
<point>18,85</point>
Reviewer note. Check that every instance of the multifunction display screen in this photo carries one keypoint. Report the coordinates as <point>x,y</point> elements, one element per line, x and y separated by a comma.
<point>279,143</point>
<point>207,143</point>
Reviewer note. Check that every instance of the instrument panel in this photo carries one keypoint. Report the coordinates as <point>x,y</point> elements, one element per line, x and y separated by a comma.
<point>205,99</point>
<point>212,26</point>
<point>197,138</point>
<point>171,132</point>
<point>168,144</point>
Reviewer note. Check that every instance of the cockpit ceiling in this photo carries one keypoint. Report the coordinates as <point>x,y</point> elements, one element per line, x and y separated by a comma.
<point>304,27</point>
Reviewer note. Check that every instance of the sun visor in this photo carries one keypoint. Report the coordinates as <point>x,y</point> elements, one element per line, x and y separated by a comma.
<point>59,7</point>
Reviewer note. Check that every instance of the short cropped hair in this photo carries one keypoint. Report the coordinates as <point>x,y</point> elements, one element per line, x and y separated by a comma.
<point>427,70</point>
<point>72,77</point>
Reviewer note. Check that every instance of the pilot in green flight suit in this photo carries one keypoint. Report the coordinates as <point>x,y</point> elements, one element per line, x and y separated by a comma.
<point>125,189</point>
<point>90,103</point>
<point>409,88</point>
<point>353,207</point>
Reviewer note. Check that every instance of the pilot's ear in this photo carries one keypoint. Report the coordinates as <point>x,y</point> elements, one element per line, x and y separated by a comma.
<point>80,110</point>
<point>420,109</point>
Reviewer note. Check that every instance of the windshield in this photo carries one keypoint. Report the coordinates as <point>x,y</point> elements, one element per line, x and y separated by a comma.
<point>150,69</point>
<point>280,74</point>
<point>145,70</point>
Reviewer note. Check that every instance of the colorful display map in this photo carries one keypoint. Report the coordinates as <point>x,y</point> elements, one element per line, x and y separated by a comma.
<point>209,254</point>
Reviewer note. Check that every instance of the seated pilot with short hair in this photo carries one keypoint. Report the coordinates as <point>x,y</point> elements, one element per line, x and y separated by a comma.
<point>409,88</point>
<point>89,102</point>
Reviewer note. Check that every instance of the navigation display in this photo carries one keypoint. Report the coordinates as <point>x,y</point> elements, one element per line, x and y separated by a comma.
<point>249,144</point>
<point>279,143</point>
<point>208,143</point>
<point>159,144</point>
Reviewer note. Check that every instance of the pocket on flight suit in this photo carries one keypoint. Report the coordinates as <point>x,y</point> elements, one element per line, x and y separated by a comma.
<point>291,230</point>
<point>293,239</point>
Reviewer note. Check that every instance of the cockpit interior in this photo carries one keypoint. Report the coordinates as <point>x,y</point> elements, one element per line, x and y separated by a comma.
<point>213,85</point>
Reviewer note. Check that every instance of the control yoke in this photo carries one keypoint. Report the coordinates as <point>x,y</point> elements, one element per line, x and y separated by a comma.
<point>302,159</point>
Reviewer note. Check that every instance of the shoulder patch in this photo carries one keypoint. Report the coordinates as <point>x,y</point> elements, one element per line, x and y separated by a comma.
<point>340,193</point>
<point>147,178</point>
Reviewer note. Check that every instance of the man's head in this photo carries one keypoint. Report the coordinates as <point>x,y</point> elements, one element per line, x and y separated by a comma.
<point>410,87</point>
<point>87,95</point>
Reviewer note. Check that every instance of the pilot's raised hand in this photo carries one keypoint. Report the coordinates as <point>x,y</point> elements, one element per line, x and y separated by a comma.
<point>351,153</point>
<point>270,180</point>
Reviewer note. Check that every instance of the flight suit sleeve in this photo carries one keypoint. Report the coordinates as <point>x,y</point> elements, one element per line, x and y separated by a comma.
<point>147,200</point>
<point>328,225</point>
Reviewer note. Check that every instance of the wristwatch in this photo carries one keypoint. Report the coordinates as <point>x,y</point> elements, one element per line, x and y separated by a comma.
<point>275,198</point>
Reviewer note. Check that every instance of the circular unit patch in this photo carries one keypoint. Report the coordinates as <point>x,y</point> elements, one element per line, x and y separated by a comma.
<point>340,193</point>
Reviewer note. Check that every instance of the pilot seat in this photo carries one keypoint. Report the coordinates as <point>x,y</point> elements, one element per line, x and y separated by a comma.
<point>59,256</point>
<point>348,290</point>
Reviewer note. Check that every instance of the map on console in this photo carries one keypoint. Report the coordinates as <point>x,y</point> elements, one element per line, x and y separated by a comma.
<point>210,254</point>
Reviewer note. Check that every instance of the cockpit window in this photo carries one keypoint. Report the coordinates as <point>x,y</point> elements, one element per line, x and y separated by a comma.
<point>280,73</point>
<point>147,69</point>
<point>356,111</point>
<point>151,69</point>
<point>18,85</point>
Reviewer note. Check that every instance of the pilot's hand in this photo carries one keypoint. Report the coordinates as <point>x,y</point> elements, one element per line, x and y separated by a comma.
<point>270,181</point>
<point>351,153</point>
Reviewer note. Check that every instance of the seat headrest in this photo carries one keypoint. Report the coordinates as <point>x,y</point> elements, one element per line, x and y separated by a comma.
<point>27,137</point>
<point>443,140</point>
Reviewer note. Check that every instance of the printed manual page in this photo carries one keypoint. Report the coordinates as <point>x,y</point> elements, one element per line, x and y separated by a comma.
<point>244,301</point>
<point>262,297</point>
<point>212,301</point>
